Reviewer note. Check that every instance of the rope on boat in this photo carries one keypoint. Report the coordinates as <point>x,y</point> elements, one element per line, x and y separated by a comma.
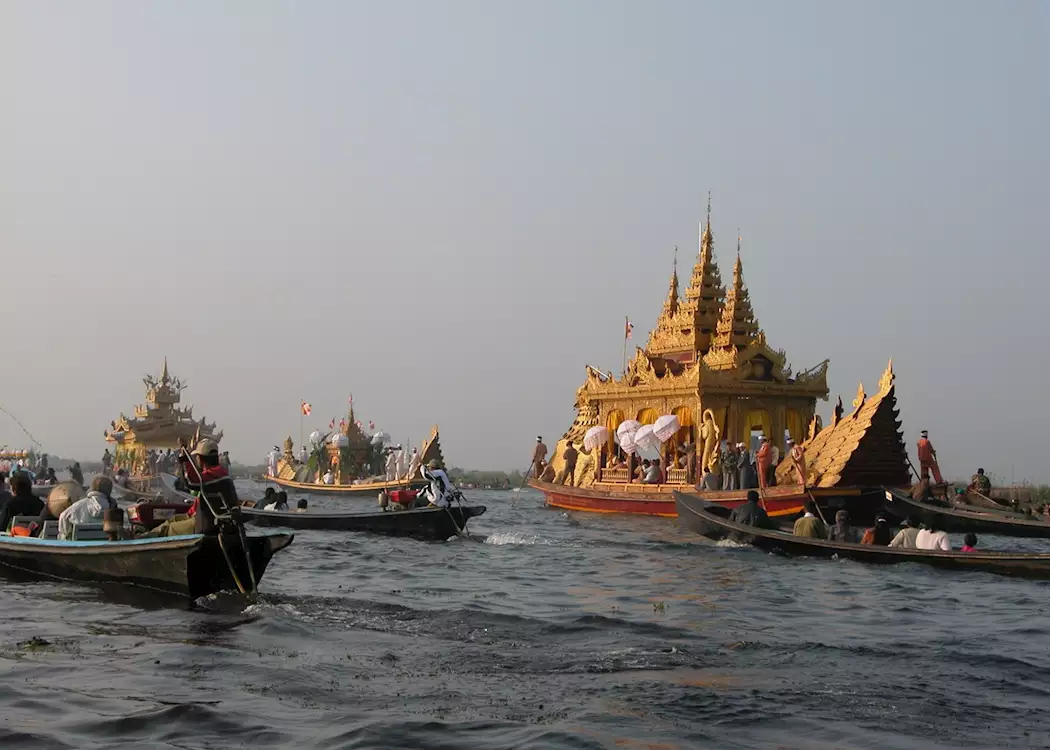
<point>27,432</point>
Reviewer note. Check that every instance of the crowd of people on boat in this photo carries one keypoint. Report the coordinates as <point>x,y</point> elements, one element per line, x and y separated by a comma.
<point>811,525</point>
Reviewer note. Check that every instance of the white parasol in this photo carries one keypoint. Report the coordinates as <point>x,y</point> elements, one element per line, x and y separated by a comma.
<point>645,440</point>
<point>665,427</point>
<point>315,437</point>
<point>339,439</point>
<point>627,443</point>
<point>380,438</point>
<point>628,427</point>
<point>595,437</point>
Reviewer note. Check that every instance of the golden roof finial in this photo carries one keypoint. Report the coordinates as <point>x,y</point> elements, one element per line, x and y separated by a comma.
<point>886,381</point>
<point>708,209</point>
<point>164,371</point>
<point>671,303</point>
<point>858,401</point>
<point>738,241</point>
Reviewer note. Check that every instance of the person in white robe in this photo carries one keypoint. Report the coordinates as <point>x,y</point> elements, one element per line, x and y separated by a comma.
<point>391,466</point>
<point>440,490</point>
<point>271,461</point>
<point>414,465</point>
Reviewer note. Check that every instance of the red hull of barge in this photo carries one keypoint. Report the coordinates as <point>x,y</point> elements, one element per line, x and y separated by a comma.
<point>648,500</point>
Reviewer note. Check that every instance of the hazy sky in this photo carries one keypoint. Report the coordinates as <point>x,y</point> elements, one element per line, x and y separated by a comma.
<point>447,208</point>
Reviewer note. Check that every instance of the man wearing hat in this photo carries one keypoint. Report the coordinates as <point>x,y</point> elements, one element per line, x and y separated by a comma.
<point>539,458</point>
<point>798,460</point>
<point>906,536</point>
<point>441,488</point>
<point>89,509</point>
<point>928,458</point>
<point>763,460</point>
<point>206,476</point>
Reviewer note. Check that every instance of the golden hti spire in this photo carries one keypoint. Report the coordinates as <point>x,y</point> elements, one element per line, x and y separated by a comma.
<point>671,303</point>
<point>164,372</point>
<point>705,294</point>
<point>736,327</point>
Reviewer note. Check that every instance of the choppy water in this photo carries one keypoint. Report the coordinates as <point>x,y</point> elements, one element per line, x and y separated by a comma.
<point>554,632</point>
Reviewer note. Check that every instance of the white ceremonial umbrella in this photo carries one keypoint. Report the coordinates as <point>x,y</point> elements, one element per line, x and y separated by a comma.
<point>339,439</point>
<point>645,439</point>
<point>595,437</point>
<point>627,443</point>
<point>380,437</point>
<point>665,427</point>
<point>628,427</point>
<point>315,437</point>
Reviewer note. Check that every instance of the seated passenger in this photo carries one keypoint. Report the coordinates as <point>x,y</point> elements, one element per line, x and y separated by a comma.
<point>905,538</point>
<point>300,506</point>
<point>22,501</point>
<point>280,502</point>
<point>842,531</point>
<point>931,538</point>
<point>970,543</point>
<point>880,534</point>
<point>809,525</point>
<point>328,478</point>
<point>440,490</point>
<point>751,513</point>
<point>89,509</point>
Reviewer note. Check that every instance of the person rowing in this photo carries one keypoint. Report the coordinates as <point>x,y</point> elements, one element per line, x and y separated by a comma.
<point>440,490</point>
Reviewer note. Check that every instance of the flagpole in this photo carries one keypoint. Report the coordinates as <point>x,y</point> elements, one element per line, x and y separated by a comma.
<point>626,323</point>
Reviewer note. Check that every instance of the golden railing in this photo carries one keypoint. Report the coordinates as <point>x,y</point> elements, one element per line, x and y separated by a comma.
<point>614,475</point>
<point>678,476</point>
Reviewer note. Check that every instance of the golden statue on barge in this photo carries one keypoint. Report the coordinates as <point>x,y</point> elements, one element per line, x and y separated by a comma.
<point>160,424</point>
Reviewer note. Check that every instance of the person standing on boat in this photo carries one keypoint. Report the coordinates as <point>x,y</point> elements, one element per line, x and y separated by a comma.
<point>391,466</point>
<point>76,473</point>
<point>809,525</point>
<point>763,460</point>
<point>798,461</point>
<point>539,458</point>
<point>928,458</point>
<point>566,475</point>
<point>107,461</point>
<point>224,461</point>
<point>271,461</point>
<point>89,509</point>
<point>414,464</point>
<point>303,455</point>
<point>730,473</point>
<point>745,469</point>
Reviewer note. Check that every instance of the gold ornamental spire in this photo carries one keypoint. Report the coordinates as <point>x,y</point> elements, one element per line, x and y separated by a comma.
<point>671,303</point>
<point>736,326</point>
<point>705,293</point>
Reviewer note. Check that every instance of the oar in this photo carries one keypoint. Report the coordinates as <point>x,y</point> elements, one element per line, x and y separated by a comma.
<point>524,480</point>
<point>819,513</point>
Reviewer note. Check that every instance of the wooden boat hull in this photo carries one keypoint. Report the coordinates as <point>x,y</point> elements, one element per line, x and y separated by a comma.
<point>190,566</point>
<point>713,522</point>
<point>955,519</point>
<point>658,500</point>
<point>430,524</point>
<point>365,489</point>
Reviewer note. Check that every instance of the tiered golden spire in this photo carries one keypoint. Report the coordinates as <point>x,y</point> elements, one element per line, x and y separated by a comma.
<point>737,326</point>
<point>705,294</point>
<point>671,303</point>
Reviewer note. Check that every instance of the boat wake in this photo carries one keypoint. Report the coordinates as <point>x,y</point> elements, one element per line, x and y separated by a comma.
<point>501,538</point>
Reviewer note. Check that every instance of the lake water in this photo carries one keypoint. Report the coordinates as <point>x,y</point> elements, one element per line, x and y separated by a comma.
<point>553,631</point>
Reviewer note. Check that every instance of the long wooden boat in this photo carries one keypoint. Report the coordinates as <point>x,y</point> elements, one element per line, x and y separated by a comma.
<point>192,565</point>
<point>419,523</point>
<point>658,500</point>
<point>712,521</point>
<point>363,489</point>
<point>901,505</point>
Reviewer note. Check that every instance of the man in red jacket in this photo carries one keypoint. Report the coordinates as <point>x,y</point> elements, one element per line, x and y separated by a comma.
<point>928,458</point>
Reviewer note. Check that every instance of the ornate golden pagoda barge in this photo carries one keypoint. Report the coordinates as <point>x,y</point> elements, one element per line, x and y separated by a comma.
<point>707,362</point>
<point>158,425</point>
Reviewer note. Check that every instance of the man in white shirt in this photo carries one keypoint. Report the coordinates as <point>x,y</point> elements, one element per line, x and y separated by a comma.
<point>932,539</point>
<point>271,461</point>
<point>328,478</point>
<point>303,456</point>
<point>89,509</point>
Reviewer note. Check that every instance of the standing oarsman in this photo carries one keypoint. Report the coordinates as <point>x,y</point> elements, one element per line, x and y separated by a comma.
<point>763,460</point>
<point>798,460</point>
<point>539,458</point>
<point>928,458</point>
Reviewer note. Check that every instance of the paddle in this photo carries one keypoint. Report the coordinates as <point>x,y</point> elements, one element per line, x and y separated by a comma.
<point>524,479</point>
<point>819,513</point>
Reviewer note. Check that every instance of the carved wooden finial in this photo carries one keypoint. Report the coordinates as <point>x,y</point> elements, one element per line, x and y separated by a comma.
<point>858,401</point>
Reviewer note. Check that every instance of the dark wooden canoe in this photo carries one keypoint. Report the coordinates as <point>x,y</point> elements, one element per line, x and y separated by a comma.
<point>901,505</point>
<point>191,565</point>
<point>419,523</point>
<point>712,521</point>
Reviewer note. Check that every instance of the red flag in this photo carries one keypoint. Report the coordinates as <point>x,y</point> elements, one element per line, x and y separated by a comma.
<point>351,400</point>
<point>359,424</point>
<point>342,423</point>
<point>627,328</point>
<point>331,425</point>
<point>306,409</point>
